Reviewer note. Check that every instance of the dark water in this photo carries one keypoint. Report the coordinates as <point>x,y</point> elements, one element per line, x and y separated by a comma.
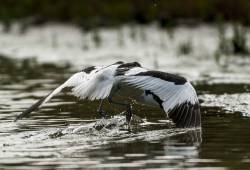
<point>62,135</point>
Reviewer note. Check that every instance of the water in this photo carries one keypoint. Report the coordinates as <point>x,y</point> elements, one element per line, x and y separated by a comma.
<point>68,133</point>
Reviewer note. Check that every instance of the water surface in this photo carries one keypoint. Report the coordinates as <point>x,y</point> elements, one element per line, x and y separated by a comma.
<point>63,133</point>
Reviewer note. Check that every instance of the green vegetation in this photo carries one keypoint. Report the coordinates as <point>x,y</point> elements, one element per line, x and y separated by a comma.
<point>92,13</point>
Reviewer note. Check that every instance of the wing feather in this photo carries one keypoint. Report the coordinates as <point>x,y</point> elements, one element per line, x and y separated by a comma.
<point>179,113</point>
<point>179,99</point>
<point>98,85</point>
<point>74,80</point>
<point>94,83</point>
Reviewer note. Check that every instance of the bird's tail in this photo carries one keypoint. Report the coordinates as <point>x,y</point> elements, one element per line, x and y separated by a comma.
<point>74,80</point>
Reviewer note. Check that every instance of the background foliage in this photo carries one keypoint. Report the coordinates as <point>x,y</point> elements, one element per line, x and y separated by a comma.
<point>91,13</point>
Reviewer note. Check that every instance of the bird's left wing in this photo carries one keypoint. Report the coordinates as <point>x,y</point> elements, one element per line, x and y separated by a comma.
<point>175,94</point>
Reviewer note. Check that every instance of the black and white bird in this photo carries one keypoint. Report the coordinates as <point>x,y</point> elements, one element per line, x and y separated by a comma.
<point>173,93</point>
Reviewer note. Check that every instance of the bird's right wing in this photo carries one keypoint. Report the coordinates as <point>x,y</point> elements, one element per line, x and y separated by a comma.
<point>175,94</point>
<point>74,80</point>
<point>91,83</point>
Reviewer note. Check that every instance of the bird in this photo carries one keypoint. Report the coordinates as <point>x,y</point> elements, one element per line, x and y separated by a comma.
<point>173,93</point>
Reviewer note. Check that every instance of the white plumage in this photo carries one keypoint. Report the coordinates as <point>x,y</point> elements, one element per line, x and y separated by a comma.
<point>171,92</point>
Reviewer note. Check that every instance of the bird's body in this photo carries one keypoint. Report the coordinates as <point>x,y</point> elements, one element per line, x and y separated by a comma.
<point>174,94</point>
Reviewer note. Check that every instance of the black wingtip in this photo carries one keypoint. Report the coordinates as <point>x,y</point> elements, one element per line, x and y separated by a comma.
<point>186,115</point>
<point>32,108</point>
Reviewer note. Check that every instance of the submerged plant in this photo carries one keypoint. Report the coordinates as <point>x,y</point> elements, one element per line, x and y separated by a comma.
<point>239,41</point>
<point>225,46</point>
<point>6,25</point>
<point>143,35</point>
<point>237,44</point>
<point>120,38</point>
<point>170,32</point>
<point>54,40</point>
<point>185,47</point>
<point>133,32</point>
<point>85,41</point>
<point>96,38</point>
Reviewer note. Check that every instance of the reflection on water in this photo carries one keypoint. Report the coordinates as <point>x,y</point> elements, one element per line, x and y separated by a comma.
<point>68,133</point>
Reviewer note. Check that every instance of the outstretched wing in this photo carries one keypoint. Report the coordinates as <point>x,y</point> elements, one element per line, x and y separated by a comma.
<point>74,80</point>
<point>91,83</point>
<point>98,84</point>
<point>177,96</point>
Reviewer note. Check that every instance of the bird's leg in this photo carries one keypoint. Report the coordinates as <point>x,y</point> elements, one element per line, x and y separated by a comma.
<point>128,111</point>
<point>100,110</point>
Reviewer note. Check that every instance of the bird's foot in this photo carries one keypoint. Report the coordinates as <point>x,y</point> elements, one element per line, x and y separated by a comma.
<point>103,114</point>
<point>128,128</point>
<point>129,114</point>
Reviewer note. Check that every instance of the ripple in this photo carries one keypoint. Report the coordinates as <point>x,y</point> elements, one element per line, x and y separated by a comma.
<point>229,102</point>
